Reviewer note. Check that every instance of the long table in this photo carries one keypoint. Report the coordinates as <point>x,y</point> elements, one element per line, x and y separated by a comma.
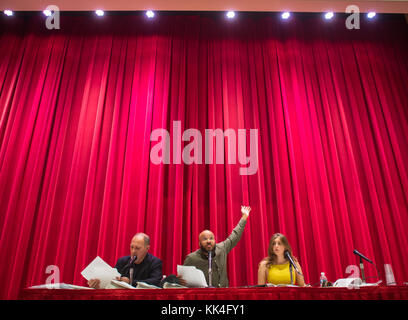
<point>242,293</point>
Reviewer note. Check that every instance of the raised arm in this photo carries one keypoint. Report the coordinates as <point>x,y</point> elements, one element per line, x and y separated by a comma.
<point>236,234</point>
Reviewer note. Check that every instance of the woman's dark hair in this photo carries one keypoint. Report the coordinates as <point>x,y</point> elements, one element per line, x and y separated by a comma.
<point>271,258</point>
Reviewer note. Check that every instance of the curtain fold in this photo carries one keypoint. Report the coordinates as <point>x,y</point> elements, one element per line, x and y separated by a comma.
<point>78,106</point>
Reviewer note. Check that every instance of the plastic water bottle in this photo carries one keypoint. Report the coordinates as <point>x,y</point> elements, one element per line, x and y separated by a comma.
<point>323,280</point>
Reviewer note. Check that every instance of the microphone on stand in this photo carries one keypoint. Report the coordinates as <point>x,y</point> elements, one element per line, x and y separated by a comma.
<point>361,256</point>
<point>289,257</point>
<point>132,260</point>
<point>362,265</point>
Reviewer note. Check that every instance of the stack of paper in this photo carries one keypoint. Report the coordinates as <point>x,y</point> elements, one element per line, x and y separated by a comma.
<point>144,285</point>
<point>281,285</point>
<point>115,284</point>
<point>170,285</point>
<point>58,286</point>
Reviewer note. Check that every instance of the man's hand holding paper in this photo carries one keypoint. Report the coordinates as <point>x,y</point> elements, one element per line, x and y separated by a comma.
<point>99,274</point>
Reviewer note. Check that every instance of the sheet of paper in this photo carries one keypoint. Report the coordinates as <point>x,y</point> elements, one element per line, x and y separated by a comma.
<point>348,282</point>
<point>371,284</point>
<point>115,284</point>
<point>99,269</point>
<point>58,286</point>
<point>193,276</point>
<point>144,285</point>
<point>170,285</point>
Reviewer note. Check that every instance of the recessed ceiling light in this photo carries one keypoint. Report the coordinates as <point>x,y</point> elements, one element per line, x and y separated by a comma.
<point>150,14</point>
<point>329,15</point>
<point>285,15</point>
<point>99,12</point>
<point>230,14</point>
<point>371,15</point>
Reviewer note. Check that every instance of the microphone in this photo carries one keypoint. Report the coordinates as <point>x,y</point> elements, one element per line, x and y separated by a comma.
<point>132,260</point>
<point>210,268</point>
<point>289,257</point>
<point>361,256</point>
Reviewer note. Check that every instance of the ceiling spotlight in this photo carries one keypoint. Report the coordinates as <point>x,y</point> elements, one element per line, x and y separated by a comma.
<point>329,15</point>
<point>150,14</point>
<point>8,13</point>
<point>285,15</point>
<point>99,12</point>
<point>230,14</point>
<point>371,15</point>
<point>47,12</point>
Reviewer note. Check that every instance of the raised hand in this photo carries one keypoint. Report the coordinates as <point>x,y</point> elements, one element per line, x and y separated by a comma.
<point>245,212</point>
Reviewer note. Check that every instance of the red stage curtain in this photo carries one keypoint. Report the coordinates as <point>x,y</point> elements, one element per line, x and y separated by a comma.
<point>78,105</point>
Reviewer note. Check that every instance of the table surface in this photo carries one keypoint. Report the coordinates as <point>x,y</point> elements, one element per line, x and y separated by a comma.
<point>241,293</point>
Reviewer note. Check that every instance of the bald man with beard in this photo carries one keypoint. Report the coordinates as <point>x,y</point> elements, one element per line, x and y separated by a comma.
<point>199,258</point>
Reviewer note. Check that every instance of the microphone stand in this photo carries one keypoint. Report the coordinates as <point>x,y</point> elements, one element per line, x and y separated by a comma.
<point>363,277</point>
<point>131,276</point>
<point>290,271</point>
<point>210,269</point>
<point>362,270</point>
<point>130,264</point>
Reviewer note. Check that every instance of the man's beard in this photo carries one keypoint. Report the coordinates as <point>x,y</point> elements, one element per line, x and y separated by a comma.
<point>204,249</point>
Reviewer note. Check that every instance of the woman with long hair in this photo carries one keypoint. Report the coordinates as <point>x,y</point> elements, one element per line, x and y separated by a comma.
<point>275,268</point>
